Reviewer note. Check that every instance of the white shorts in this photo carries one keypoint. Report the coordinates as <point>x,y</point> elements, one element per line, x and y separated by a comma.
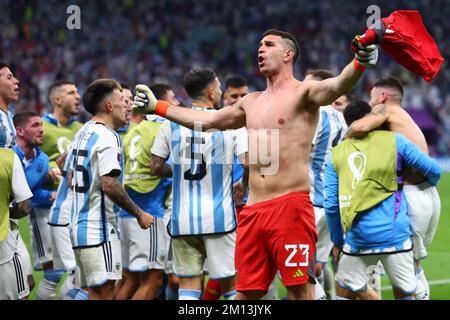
<point>159,244</point>
<point>40,237</point>
<point>168,268</point>
<point>189,253</point>
<point>63,255</point>
<point>424,209</point>
<point>354,271</point>
<point>324,244</point>
<point>22,250</point>
<point>144,249</point>
<point>98,265</point>
<point>13,279</point>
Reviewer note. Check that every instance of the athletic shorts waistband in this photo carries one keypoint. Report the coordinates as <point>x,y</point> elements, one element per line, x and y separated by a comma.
<point>300,195</point>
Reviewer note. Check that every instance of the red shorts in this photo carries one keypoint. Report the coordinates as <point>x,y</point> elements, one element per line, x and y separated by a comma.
<point>278,234</point>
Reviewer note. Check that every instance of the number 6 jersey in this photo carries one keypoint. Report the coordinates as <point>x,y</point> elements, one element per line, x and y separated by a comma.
<point>96,152</point>
<point>202,185</point>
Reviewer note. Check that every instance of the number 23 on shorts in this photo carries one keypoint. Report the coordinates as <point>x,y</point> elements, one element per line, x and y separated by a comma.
<point>297,249</point>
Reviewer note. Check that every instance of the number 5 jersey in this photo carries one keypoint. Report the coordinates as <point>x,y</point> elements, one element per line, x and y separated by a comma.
<point>202,185</point>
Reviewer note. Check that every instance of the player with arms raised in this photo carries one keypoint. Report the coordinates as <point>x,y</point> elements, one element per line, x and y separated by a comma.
<point>279,216</point>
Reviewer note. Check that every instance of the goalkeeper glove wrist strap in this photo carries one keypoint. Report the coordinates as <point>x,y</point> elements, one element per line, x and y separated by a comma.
<point>358,66</point>
<point>161,108</point>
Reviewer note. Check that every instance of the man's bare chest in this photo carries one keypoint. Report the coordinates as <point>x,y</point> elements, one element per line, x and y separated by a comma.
<point>271,114</point>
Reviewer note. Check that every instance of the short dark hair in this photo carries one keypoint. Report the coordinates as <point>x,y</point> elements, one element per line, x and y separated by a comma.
<point>56,85</point>
<point>22,117</point>
<point>196,80</point>
<point>235,81</point>
<point>160,89</point>
<point>320,74</point>
<point>3,65</point>
<point>356,110</point>
<point>350,97</point>
<point>125,86</point>
<point>390,82</point>
<point>287,36</point>
<point>96,92</point>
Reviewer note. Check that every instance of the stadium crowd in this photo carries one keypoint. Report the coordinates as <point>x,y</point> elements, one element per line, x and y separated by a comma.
<point>119,198</point>
<point>175,36</point>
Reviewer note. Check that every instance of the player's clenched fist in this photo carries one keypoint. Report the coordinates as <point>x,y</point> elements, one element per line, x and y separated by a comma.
<point>144,100</point>
<point>365,54</point>
<point>145,220</point>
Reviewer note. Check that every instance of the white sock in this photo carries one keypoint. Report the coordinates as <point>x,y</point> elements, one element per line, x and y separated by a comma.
<point>187,294</point>
<point>68,284</point>
<point>46,290</point>
<point>230,295</point>
<point>423,289</point>
<point>76,294</point>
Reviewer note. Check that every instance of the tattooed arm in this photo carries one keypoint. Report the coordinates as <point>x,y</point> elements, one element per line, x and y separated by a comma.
<point>20,210</point>
<point>115,191</point>
<point>369,122</point>
<point>159,167</point>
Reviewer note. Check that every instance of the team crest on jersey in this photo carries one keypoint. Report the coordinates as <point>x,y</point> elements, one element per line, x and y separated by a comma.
<point>117,266</point>
<point>40,167</point>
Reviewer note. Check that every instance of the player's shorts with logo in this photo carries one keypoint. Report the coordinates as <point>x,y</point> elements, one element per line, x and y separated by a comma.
<point>99,264</point>
<point>63,255</point>
<point>278,234</point>
<point>324,244</point>
<point>144,249</point>
<point>22,250</point>
<point>354,271</point>
<point>190,252</point>
<point>13,279</point>
<point>424,208</point>
<point>13,273</point>
<point>40,237</point>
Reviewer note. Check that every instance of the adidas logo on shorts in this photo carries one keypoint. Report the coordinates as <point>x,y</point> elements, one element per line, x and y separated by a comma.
<point>298,274</point>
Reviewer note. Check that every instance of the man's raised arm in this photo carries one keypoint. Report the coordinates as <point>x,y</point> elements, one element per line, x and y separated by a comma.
<point>322,93</point>
<point>232,117</point>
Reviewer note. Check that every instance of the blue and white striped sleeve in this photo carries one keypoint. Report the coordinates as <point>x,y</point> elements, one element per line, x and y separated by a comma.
<point>331,205</point>
<point>161,145</point>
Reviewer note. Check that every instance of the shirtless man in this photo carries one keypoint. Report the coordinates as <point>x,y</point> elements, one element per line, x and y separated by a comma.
<point>276,229</point>
<point>424,204</point>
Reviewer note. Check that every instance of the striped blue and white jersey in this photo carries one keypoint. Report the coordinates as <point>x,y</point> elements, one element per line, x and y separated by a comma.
<point>60,211</point>
<point>329,132</point>
<point>7,130</point>
<point>202,185</point>
<point>97,151</point>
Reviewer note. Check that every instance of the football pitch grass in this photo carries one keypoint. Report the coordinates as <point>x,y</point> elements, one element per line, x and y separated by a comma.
<point>436,266</point>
